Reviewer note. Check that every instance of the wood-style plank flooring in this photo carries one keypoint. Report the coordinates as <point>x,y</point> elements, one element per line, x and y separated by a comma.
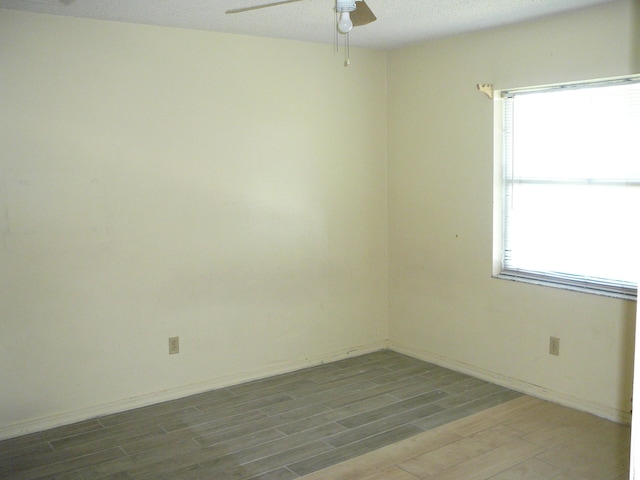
<point>302,423</point>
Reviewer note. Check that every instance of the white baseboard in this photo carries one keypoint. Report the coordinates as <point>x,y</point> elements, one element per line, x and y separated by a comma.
<point>67,418</point>
<point>603,411</point>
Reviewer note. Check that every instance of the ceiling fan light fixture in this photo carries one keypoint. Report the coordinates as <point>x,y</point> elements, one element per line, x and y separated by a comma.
<point>343,8</point>
<point>345,24</point>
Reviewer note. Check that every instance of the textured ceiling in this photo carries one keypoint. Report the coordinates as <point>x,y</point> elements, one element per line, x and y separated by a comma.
<point>400,22</point>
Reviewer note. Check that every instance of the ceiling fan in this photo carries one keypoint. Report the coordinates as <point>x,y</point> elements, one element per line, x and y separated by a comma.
<point>349,14</point>
<point>352,13</point>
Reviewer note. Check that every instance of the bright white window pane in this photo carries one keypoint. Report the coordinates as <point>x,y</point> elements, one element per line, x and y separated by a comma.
<point>584,133</point>
<point>576,229</point>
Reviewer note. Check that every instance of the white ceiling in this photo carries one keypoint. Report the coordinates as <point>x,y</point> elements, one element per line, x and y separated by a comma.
<point>399,22</point>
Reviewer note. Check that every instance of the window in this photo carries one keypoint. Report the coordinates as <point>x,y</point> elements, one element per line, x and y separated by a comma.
<point>568,186</point>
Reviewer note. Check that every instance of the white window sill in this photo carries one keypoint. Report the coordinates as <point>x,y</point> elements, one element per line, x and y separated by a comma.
<point>627,294</point>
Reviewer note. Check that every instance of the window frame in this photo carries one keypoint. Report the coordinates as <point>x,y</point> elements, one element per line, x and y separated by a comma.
<point>547,279</point>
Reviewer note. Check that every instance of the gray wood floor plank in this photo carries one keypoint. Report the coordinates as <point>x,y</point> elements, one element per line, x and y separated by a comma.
<point>235,407</point>
<point>279,474</point>
<point>259,392</point>
<point>29,453</point>
<point>286,457</point>
<point>66,466</point>
<point>324,395</point>
<point>385,424</point>
<point>392,409</point>
<point>104,470</point>
<point>338,414</point>
<point>274,447</point>
<point>162,445</point>
<point>390,376</point>
<point>108,437</point>
<point>372,392</point>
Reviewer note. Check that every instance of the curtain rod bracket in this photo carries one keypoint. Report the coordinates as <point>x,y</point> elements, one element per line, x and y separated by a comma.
<point>486,88</point>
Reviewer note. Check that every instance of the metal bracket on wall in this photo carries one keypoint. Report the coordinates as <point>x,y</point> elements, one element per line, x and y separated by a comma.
<point>486,88</point>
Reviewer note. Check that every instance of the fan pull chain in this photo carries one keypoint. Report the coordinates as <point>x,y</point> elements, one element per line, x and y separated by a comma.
<point>347,52</point>
<point>337,37</point>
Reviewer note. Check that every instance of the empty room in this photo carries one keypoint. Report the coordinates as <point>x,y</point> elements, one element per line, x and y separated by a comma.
<point>224,233</point>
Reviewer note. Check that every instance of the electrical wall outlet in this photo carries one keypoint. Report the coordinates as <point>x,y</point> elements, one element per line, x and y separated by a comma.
<point>554,346</point>
<point>174,345</point>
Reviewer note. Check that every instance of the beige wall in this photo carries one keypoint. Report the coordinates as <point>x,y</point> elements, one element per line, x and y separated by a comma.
<point>159,182</point>
<point>444,304</point>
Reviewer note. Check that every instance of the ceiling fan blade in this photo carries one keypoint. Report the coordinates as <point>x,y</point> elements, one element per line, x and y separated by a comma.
<point>257,7</point>
<point>362,14</point>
